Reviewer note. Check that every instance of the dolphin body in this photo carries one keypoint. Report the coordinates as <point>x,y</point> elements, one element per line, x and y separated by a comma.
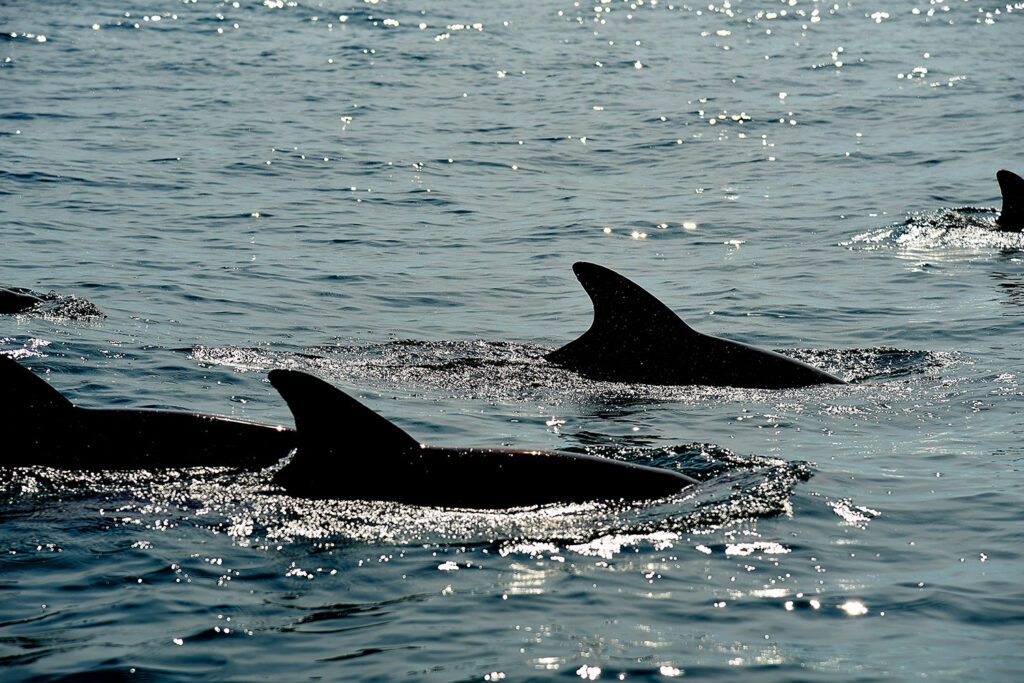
<point>344,450</point>
<point>636,338</point>
<point>1011,186</point>
<point>44,428</point>
<point>16,301</point>
<point>347,451</point>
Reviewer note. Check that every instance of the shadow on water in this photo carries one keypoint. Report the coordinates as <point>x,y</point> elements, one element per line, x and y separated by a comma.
<point>1011,285</point>
<point>350,616</point>
<point>32,648</point>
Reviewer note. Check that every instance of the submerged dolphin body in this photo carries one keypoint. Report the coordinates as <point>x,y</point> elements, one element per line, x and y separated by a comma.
<point>347,451</point>
<point>44,428</point>
<point>1011,186</point>
<point>636,338</point>
<point>16,301</point>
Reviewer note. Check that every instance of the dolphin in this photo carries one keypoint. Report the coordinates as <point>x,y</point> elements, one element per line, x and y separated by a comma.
<point>16,300</point>
<point>1011,185</point>
<point>347,451</point>
<point>44,428</point>
<point>636,338</point>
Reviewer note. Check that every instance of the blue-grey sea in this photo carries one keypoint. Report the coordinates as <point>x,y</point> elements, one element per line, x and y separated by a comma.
<point>390,194</point>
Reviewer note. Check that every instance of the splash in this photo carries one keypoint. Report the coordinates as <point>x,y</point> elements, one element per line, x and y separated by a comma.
<point>59,307</point>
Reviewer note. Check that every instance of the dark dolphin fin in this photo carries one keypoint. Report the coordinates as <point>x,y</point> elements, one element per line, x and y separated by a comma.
<point>329,415</point>
<point>23,392</point>
<point>330,424</point>
<point>1011,186</point>
<point>626,318</point>
<point>326,415</point>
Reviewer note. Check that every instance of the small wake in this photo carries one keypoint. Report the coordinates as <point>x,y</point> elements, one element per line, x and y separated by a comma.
<point>60,307</point>
<point>962,232</point>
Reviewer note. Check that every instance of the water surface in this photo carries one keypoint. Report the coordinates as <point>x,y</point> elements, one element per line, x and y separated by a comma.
<point>391,195</point>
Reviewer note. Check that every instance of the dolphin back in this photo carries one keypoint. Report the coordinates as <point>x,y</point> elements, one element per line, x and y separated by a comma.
<point>348,452</point>
<point>637,338</point>
<point>16,300</point>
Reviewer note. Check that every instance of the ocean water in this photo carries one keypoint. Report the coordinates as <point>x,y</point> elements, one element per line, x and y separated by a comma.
<point>391,195</point>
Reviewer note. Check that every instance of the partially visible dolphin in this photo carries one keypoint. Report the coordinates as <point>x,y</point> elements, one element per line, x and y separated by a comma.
<point>1011,185</point>
<point>41,427</point>
<point>636,338</point>
<point>347,451</point>
<point>16,300</point>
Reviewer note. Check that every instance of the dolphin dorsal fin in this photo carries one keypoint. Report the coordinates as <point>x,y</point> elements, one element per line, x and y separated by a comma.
<point>625,315</point>
<point>23,391</point>
<point>1011,186</point>
<point>328,419</point>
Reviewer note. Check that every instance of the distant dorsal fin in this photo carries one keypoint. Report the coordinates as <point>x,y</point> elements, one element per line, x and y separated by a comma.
<point>327,418</point>
<point>23,391</point>
<point>626,317</point>
<point>1011,186</point>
